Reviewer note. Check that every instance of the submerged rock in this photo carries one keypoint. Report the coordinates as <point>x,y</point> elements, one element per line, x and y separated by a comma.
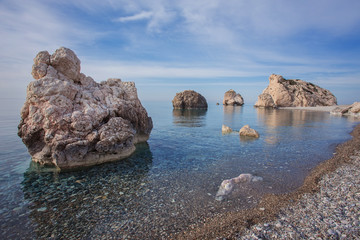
<point>233,98</point>
<point>294,93</point>
<point>70,121</point>
<point>246,131</point>
<point>352,110</point>
<point>228,185</point>
<point>189,99</point>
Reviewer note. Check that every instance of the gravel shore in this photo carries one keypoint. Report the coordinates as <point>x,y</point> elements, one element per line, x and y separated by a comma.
<point>317,108</point>
<point>327,206</point>
<point>331,213</point>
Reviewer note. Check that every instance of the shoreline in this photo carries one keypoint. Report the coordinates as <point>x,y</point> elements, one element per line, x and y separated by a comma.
<point>245,224</point>
<point>317,108</point>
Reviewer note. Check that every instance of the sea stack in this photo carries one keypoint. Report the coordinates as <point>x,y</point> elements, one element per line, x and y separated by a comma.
<point>294,93</point>
<point>232,98</point>
<point>189,99</point>
<point>71,121</point>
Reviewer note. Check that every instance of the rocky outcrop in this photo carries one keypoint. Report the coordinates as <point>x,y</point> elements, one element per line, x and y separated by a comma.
<point>246,131</point>
<point>352,110</point>
<point>228,185</point>
<point>189,99</point>
<point>265,100</point>
<point>225,129</point>
<point>70,121</point>
<point>233,98</point>
<point>294,93</point>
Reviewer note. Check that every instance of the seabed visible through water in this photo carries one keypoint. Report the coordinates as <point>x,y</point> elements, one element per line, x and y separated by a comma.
<point>170,182</point>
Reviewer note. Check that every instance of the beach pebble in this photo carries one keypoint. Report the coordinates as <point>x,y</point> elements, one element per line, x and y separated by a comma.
<point>331,213</point>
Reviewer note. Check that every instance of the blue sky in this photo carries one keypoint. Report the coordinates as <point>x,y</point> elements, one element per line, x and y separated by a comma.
<point>169,46</point>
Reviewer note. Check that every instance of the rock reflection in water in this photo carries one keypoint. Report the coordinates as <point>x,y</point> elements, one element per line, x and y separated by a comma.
<point>232,115</point>
<point>73,205</point>
<point>292,120</point>
<point>189,117</point>
<point>284,117</point>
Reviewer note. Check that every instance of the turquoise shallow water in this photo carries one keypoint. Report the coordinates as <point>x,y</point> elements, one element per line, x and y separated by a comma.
<point>170,182</point>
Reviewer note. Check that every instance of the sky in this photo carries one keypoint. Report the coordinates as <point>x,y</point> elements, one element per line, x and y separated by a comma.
<point>208,46</point>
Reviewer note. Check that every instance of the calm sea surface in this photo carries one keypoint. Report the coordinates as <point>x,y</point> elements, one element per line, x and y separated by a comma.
<point>170,182</point>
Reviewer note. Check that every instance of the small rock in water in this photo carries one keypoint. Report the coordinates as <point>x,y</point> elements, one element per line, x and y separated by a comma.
<point>246,131</point>
<point>225,129</point>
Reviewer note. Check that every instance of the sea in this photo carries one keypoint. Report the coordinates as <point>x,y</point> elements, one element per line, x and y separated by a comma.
<point>170,182</point>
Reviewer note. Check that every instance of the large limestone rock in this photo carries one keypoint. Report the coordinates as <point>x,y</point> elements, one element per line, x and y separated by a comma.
<point>352,110</point>
<point>233,98</point>
<point>70,121</point>
<point>189,99</point>
<point>294,93</point>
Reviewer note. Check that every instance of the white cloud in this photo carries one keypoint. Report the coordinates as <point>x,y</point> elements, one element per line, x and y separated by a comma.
<point>137,17</point>
<point>231,38</point>
<point>101,70</point>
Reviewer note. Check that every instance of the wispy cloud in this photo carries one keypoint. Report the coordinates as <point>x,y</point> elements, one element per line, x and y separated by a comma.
<point>137,17</point>
<point>185,39</point>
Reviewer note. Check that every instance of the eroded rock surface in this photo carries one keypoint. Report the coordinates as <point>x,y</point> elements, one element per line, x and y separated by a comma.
<point>189,99</point>
<point>294,93</point>
<point>70,121</point>
<point>352,110</point>
<point>233,98</point>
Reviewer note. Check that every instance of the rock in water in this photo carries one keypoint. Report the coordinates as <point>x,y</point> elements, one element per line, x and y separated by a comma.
<point>70,121</point>
<point>233,98</point>
<point>246,131</point>
<point>352,110</point>
<point>228,185</point>
<point>225,129</point>
<point>294,93</point>
<point>189,99</point>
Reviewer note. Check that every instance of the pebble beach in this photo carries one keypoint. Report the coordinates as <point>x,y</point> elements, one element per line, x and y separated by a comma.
<point>331,213</point>
<point>327,206</point>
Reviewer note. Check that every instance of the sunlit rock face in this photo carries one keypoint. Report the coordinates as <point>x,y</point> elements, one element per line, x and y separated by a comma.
<point>232,98</point>
<point>189,99</point>
<point>246,131</point>
<point>225,129</point>
<point>294,93</point>
<point>71,121</point>
<point>352,110</point>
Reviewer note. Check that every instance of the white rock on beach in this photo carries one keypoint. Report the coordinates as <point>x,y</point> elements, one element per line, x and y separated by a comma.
<point>294,93</point>
<point>70,121</point>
